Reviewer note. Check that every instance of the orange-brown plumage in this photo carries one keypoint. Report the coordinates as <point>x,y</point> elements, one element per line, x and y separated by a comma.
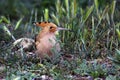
<point>46,39</point>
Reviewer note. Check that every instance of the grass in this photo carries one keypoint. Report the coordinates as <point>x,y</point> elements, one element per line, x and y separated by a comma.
<point>93,41</point>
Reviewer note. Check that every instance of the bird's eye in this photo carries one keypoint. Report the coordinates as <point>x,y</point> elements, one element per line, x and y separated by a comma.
<point>51,27</point>
<point>45,22</point>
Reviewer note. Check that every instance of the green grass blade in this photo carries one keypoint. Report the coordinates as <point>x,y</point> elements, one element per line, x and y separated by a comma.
<point>46,14</point>
<point>105,11</point>
<point>67,7</point>
<point>97,7</point>
<point>112,9</point>
<point>4,19</point>
<point>118,51</point>
<point>118,33</point>
<point>96,4</point>
<point>55,19</point>
<point>8,32</point>
<point>18,23</point>
<point>93,27</point>
<point>85,17</point>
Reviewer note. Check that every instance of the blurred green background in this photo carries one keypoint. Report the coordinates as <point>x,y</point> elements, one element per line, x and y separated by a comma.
<point>15,9</point>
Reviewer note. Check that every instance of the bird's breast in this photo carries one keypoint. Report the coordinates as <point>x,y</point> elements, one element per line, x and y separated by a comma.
<point>45,45</point>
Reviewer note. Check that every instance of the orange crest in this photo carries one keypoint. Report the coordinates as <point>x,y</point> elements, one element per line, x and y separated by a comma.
<point>49,25</point>
<point>44,24</point>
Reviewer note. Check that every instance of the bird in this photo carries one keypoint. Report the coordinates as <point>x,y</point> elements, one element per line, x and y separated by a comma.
<point>46,39</point>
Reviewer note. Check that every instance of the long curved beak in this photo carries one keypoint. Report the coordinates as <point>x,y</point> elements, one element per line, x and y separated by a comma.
<point>60,28</point>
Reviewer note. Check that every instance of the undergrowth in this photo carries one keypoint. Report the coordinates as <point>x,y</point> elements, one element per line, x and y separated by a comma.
<point>94,36</point>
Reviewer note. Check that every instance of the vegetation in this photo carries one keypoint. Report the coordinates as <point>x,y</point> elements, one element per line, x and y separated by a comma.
<point>93,42</point>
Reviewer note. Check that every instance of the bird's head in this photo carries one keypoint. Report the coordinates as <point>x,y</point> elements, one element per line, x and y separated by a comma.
<point>49,27</point>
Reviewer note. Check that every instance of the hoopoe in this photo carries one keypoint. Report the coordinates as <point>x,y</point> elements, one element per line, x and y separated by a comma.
<point>46,39</point>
